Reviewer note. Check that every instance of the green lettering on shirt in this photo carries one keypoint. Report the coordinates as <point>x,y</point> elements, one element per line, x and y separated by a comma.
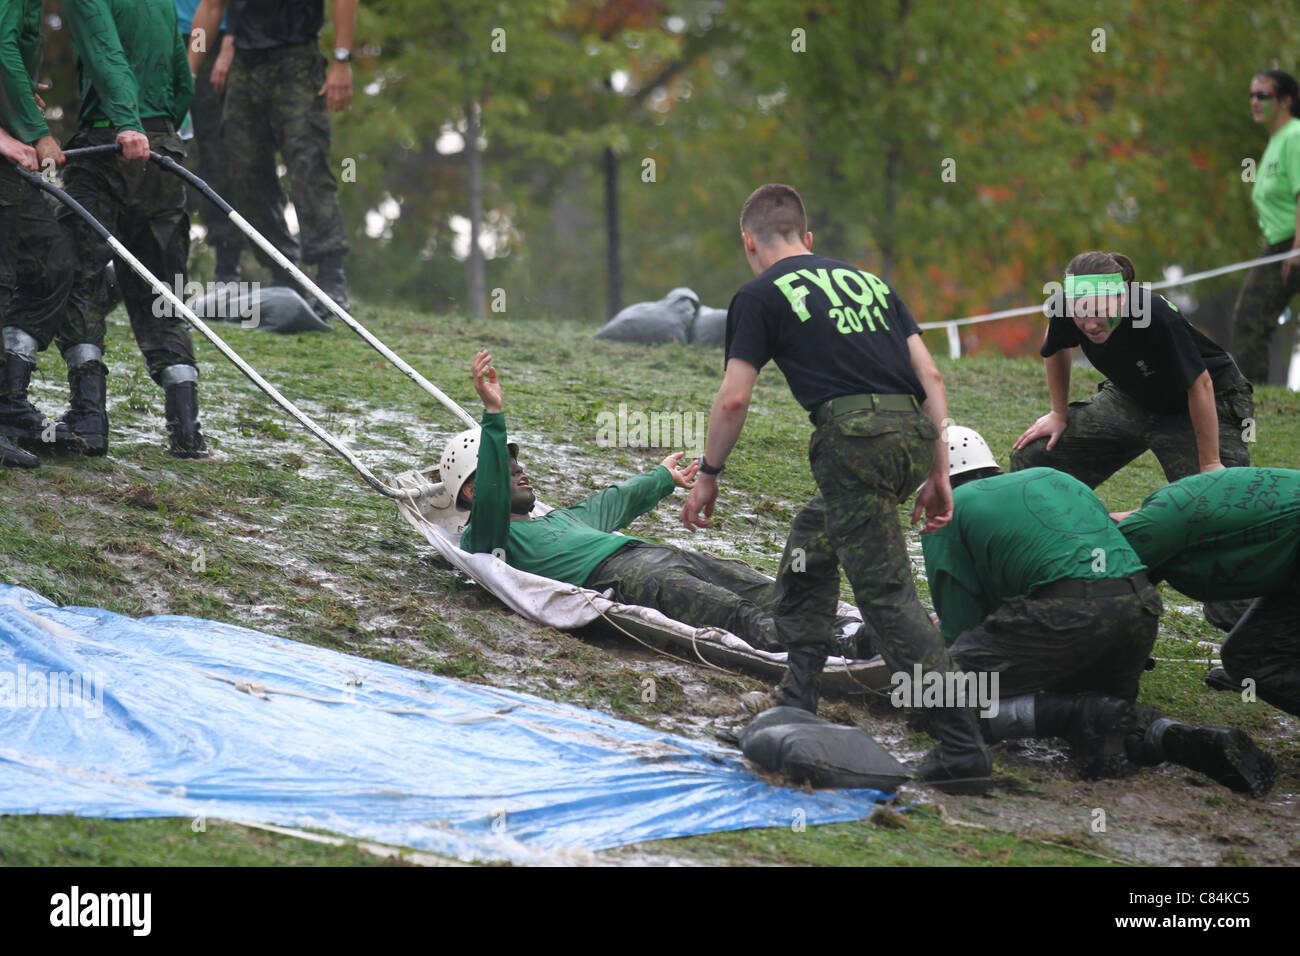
<point>796,294</point>
<point>823,282</point>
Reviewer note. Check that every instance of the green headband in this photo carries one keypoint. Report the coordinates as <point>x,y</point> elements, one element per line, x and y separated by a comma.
<point>1076,287</point>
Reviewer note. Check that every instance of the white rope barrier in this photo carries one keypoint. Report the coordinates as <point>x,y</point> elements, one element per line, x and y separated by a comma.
<point>951,324</point>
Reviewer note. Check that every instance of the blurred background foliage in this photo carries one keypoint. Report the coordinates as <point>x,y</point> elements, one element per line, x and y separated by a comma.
<point>964,152</point>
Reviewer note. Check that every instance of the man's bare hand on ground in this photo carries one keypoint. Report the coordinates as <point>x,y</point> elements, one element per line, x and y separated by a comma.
<point>485,382</point>
<point>682,477</point>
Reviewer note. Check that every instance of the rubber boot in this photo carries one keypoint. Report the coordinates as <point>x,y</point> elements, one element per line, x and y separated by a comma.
<point>227,265</point>
<point>1219,679</point>
<point>1095,725</point>
<point>20,420</point>
<point>329,276</point>
<point>799,686</point>
<point>181,391</point>
<point>960,764</point>
<point>1221,753</point>
<point>11,456</point>
<point>84,426</point>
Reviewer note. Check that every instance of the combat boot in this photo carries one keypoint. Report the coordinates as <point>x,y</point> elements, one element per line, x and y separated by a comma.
<point>960,764</point>
<point>1095,725</point>
<point>20,420</point>
<point>181,404</point>
<point>84,426</point>
<point>11,456</point>
<point>330,279</point>
<point>1221,753</point>
<point>799,686</point>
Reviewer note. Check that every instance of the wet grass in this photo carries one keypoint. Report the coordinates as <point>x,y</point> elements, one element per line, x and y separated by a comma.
<point>284,537</point>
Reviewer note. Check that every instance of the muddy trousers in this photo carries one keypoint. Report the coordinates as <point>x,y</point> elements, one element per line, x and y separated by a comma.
<point>1263,297</point>
<point>1107,430</point>
<point>701,590</point>
<point>1264,646</point>
<point>1063,640</point>
<point>865,463</point>
<point>144,207</point>
<point>36,262</point>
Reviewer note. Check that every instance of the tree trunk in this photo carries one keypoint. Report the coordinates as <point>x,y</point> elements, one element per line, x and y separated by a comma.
<point>613,270</point>
<point>474,160</point>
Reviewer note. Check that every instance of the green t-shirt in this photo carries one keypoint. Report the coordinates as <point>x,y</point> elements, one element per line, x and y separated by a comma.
<point>1277,183</point>
<point>566,544</point>
<point>1222,535</point>
<point>131,63</point>
<point>1011,534</point>
<point>20,52</point>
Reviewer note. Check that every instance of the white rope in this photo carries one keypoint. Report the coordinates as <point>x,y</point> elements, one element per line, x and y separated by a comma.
<point>1167,284</point>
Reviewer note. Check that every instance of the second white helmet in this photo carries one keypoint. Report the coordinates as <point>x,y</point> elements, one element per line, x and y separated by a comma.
<point>967,451</point>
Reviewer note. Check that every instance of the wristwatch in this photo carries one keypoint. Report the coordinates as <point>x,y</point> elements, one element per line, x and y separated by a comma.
<point>342,55</point>
<point>707,469</point>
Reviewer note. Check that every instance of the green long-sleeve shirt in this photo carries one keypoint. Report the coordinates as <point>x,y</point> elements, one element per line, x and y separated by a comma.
<point>1222,535</point>
<point>20,55</point>
<point>131,63</point>
<point>1011,534</point>
<point>566,544</point>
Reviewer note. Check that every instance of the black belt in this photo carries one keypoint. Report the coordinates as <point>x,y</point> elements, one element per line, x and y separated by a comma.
<point>1093,587</point>
<point>843,404</point>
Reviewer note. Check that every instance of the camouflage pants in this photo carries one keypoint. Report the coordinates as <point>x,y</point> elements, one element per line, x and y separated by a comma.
<point>697,589</point>
<point>1264,645</point>
<point>213,165</point>
<point>143,206</point>
<point>1064,644</point>
<point>1107,430</point>
<point>1262,299</point>
<point>272,106</point>
<point>866,463</point>
<point>35,259</point>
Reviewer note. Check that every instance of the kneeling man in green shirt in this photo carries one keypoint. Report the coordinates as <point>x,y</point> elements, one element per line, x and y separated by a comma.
<point>577,544</point>
<point>1033,582</point>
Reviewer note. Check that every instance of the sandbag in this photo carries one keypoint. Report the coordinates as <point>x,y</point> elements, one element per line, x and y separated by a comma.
<point>792,741</point>
<point>710,326</point>
<point>274,308</point>
<point>668,320</point>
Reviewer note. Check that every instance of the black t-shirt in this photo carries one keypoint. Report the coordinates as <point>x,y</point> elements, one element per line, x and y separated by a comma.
<point>1154,364</point>
<point>263,24</point>
<point>832,329</point>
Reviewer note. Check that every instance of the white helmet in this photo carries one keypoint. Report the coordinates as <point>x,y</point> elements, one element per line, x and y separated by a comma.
<point>967,451</point>
<point>460,460</point>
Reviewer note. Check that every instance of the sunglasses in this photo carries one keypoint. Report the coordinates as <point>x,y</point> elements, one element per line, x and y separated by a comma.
<point>1261,96</point>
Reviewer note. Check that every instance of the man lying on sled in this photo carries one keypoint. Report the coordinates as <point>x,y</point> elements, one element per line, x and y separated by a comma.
<point>577,544</point>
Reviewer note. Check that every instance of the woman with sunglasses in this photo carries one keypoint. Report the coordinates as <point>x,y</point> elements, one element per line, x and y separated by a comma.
<point>1169,388</point>
<point>1274,102</point>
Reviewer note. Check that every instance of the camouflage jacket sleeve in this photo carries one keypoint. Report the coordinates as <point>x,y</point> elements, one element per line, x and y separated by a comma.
<point>103,62</point>
<point>20,41</point>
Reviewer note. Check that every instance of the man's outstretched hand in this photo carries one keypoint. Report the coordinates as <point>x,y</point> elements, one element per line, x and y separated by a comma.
<point>682,477</point>
<point>697,510</point>
<point>485,382</point>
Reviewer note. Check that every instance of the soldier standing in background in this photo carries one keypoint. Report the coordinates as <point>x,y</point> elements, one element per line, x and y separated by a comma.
<point>135,90</point>
<point>214,163</point>
<point>35,254</point>
<point>276,98</point>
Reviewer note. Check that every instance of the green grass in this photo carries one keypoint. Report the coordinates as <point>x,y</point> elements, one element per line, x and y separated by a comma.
<point>284,537</point>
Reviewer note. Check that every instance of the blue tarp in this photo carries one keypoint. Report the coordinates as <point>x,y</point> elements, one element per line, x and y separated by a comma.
<point>108,716</point>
